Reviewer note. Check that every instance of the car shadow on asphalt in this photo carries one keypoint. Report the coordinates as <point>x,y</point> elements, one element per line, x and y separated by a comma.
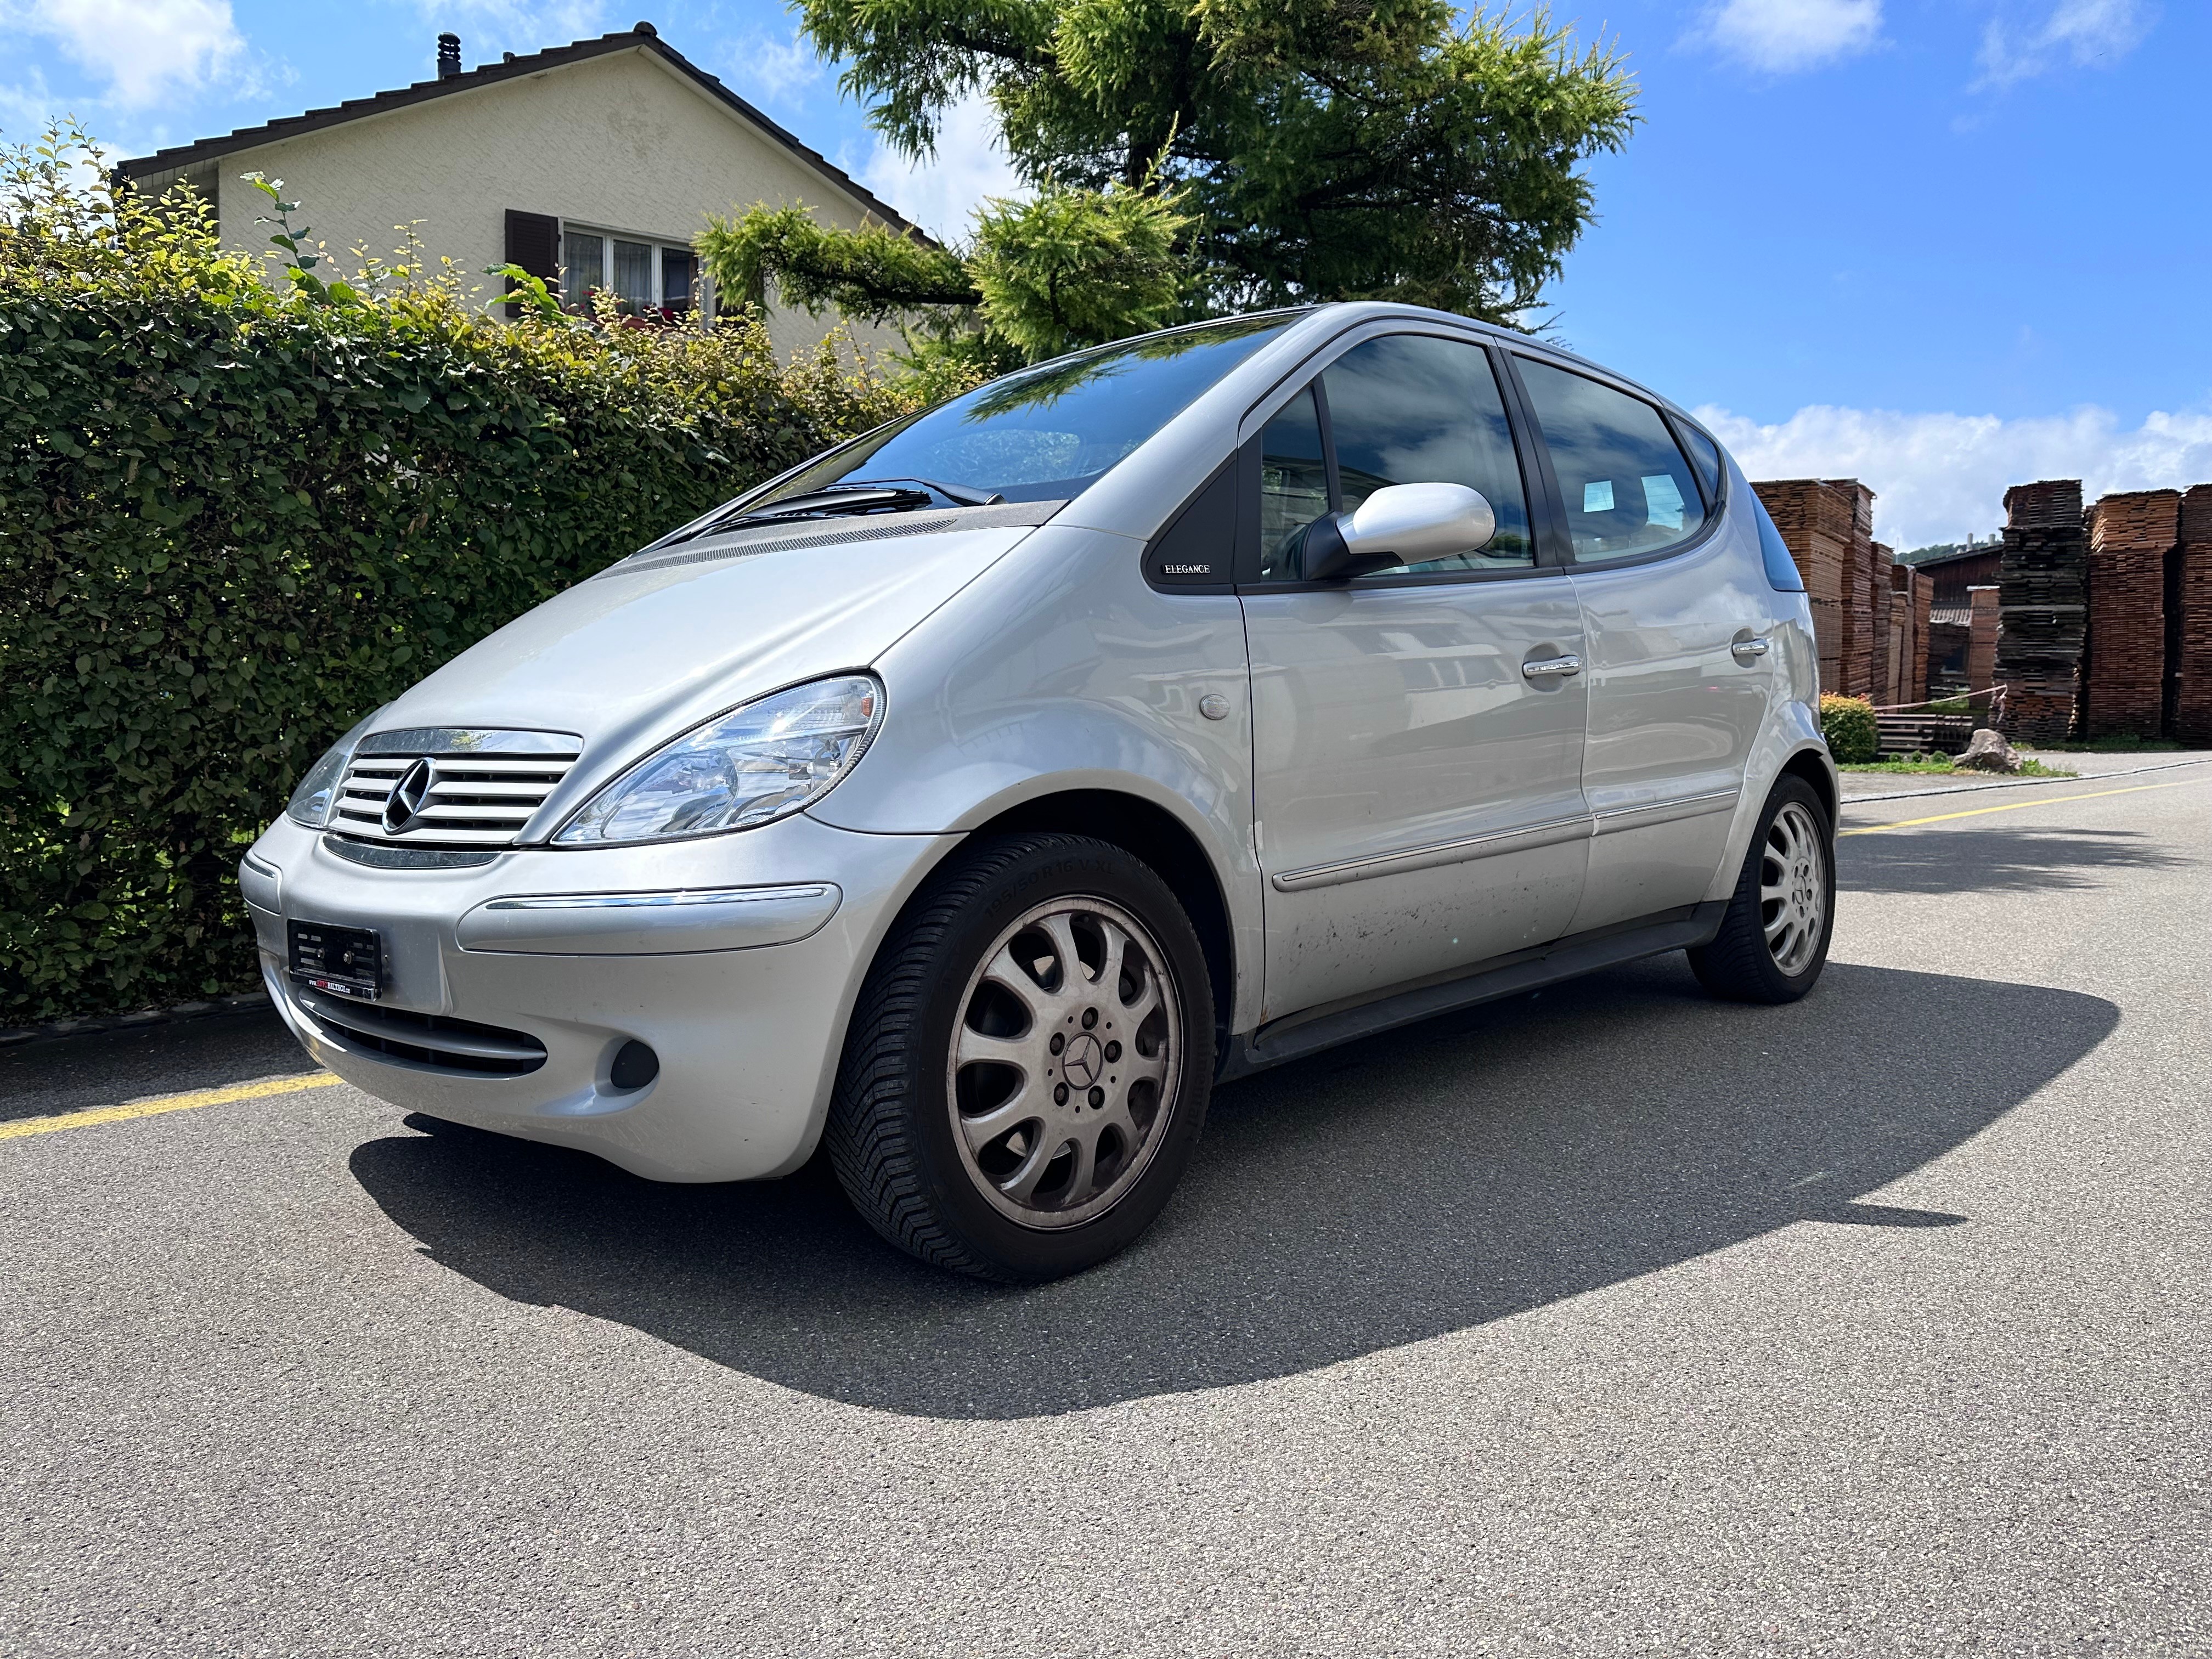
<point>2015,859</point>
<point>1409,1186</point>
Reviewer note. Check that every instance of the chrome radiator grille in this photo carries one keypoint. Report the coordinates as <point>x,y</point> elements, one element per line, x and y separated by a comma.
<point>450,787</point>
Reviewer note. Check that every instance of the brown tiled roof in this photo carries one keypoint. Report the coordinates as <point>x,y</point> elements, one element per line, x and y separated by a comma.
<point>644,37</point>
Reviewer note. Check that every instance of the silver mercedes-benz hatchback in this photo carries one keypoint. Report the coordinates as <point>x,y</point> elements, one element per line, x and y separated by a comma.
<point>976,797</point>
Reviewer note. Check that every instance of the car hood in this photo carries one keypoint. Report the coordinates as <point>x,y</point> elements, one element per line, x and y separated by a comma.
<point>652,646</point>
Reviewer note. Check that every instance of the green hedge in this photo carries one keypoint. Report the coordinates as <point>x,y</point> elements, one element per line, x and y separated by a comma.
<point>1849,724</point>
<point>237,513</point>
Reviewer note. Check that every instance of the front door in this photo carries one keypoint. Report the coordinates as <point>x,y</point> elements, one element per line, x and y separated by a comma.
<point>1418,733</point>
<point>1677,615</point>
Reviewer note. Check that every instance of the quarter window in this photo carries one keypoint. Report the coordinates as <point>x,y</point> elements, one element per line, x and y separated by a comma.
<point>1705,456</point>
<point>1626,486</point>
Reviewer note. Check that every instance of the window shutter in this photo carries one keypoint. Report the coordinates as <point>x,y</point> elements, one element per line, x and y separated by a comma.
<point>533,241</point>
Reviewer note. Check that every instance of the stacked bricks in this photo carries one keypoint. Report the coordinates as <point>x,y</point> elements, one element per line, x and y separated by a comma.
<point>1816,525</point>
<point>2123,678</point>
<point>2190,659</point>
<point>1855,635</point>
<point>2043,608</point>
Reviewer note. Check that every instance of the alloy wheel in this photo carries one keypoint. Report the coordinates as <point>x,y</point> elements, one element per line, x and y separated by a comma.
<point>1065,1062</point>
<point>1793,888</point>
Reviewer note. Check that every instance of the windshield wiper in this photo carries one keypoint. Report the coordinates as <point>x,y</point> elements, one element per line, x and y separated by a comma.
<point>861,496</point>
<point>868,496</point>
<point>959,495</point>
<point>833,500</point>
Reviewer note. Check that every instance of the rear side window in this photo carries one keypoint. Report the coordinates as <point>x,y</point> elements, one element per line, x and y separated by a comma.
<point>1627,486</point>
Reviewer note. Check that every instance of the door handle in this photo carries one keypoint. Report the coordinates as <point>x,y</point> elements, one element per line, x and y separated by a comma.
<point>1745,649</point>
<point>1543,665</point>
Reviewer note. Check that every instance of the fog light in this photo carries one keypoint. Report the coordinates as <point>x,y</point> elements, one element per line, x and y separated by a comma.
<point>634,1066</point>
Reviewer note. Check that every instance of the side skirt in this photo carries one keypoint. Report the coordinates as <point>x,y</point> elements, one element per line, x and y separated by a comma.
<point>1296,1035</point>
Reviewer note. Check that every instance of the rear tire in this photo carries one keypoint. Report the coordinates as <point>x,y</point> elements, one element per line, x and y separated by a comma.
<point>1028,1067</point>
<point>1773,941</point>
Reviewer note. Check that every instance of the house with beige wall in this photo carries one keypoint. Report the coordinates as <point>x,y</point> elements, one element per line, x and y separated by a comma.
<point>593,165</point>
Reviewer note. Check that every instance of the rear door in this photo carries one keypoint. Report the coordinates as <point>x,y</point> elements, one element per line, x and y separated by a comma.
<point>1418,733</point>
<point>1676,618</point>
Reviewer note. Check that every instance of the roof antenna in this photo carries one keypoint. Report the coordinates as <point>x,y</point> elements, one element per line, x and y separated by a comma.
<point>449,55</point>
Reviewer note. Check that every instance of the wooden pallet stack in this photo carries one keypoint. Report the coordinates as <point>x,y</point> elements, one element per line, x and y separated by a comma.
<point>2191,717</point>
<point>1855,636</point>
<point>1880,674</point>
<point>1911,594</point>
<point>1815,522</point>
<point>2042,608</point>
<point>2124,677</point>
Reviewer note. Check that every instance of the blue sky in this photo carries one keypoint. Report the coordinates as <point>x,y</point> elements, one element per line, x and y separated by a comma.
<point>1941,245</point>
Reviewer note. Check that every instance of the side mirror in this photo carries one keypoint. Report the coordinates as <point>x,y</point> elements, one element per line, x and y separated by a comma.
<point>1399,524</point>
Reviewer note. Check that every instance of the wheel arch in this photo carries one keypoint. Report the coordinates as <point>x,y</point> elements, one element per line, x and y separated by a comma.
<point>1148,831</point>
<point>1812,765</point>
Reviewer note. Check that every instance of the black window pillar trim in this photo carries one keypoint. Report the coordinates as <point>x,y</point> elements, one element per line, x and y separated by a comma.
<point>1329,442</point>
<point>1547,508</point>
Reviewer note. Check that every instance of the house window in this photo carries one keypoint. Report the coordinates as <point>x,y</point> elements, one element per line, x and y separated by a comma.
<point>647,277</point>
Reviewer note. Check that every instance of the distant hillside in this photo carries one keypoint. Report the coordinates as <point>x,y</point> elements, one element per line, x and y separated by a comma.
<point>1945,549</point>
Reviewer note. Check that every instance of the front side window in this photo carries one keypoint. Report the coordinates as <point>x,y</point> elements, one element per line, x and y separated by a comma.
<point>1044,433</point>
<point>1415,409</point>
<point>1405,409</point>
<point>1626,486</point>
<point>1293,485</point>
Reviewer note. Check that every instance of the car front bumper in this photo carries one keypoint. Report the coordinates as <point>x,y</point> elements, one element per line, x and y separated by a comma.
<point>735,958</point>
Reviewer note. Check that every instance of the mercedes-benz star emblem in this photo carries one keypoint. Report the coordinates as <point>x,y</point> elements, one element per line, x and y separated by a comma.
<point>1083,1061</point>
<point>403,806</point>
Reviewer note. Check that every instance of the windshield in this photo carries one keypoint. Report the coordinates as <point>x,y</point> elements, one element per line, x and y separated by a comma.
<point>1040,435</point>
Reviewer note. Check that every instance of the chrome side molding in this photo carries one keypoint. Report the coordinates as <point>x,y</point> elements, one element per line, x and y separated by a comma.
<point>1582,826</point>
<point>1666,812</point>
<point>1577,828</point>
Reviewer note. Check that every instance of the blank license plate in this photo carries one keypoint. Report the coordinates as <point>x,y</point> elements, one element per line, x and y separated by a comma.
<point>346,962</point>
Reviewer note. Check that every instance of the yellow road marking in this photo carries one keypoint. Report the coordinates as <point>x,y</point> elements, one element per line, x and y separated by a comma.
<point>2010,806</point>
<point>155,1108</point>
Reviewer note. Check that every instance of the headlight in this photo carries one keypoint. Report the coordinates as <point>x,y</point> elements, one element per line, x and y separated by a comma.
<point>312,802</point>
<point>751,766</point>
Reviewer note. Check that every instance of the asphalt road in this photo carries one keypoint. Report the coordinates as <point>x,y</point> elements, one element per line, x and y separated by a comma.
<point>1611,1321</point>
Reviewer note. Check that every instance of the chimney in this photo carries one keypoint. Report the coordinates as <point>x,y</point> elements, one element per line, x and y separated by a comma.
<point>449,55</point>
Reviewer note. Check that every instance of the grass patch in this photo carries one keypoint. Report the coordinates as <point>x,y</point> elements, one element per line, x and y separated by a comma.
<point>1939,766</point>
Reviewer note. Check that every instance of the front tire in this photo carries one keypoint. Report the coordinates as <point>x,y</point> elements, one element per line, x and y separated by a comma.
<point>1028,1067</point>
<point>1773,941</point>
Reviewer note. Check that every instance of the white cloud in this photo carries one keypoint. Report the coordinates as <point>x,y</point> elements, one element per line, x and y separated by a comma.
<point>146,50</point>
<point>941,194</point>
<point>1782,36</point>
<point>773,71</point>
<point>1938,477</point>
<point>2088,34</point>
<point>24,109</point>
